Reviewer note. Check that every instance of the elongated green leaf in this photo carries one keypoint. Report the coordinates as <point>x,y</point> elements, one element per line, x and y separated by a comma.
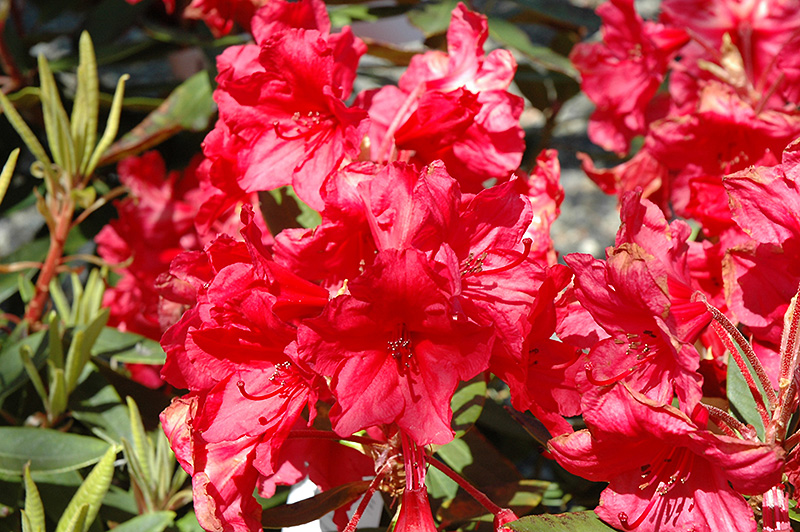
<point>47,450</point>
<point>54,341</point>
<point>455,454</point>
<point>58,393</point>
<point>77,520</point>
<point>433,18</point>
<point>56,123</point>
<point>313,508</point>
<point>513,36</point>
<point>741,400</point>
<point>142,446</point>
<point>127,347</point>
<point>569,522</point>
<point>26,288</point>
<point>91,492</point>
<point>98,405</point>
<point>8,172</point>
<point>26,354</point>
<point>34,509</point>
<point>60,301</point>
<point>74,363</point>
<point>87,97</point>
<point>189,107</point>
<point>12,370</point>
<point>27,135</point>
<point>153,522</point>
<point>93,330</point>
<point>112,126</point>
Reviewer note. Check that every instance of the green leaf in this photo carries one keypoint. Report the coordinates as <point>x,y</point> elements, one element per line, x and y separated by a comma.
<point>26,354</point>
<point>26,288</point>
<point>28,137</point>
<point>74,363</point>
<point>56,123</point>
<point>34,509</point>
<point>511,35</point>
<point>54,335</point>
<point>77,520</point>
<point>112,126</point>
<point>455,454</point>
<point>315,507</point>
<point>569,522</point>
<point>8,172</point>
<point>87,98</point>
<point>58,394</point>
<point>433,18</point>
<point>467,404</point>
<point>142,447</point>
<point>282,209</point>
<point>12,370</point>
<point>127,347</point>
<point>741,400</point>
<point>189,107</point>
<point>794,515</point>
<point>188,523</point>
<point>91,492</point>
<point>98,405</point>
<point>153,522</point>
<point>47,450</point>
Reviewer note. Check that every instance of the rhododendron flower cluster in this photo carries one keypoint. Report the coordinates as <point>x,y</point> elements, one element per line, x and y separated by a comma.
<point>731,100</point>
<point>432,265</point>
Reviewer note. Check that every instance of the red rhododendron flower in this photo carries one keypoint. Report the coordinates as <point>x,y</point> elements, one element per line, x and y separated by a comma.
<point>621,74</point>
<point>283,101</point>
<point>667,472</point>
<point>235,352</point>
<point>468,89</point>
<point>625,298</point>
<point>396,347</point>
<point>220,15</point>
<point>762,276</point>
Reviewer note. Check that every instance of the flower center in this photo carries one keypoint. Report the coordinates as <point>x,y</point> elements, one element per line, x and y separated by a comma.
<point>284,381</point>
<point>636,343</point>
<point>671,466</point>
<point>473,265</point>
<point>400,350</point>
<point>299,126</point>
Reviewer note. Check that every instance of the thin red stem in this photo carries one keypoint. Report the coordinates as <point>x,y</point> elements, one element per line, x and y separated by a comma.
<point>789,348</point>
<point>469,488</point>
<point>727,423</point>
<point>362,506</point>
<point>58,238</point>
<point>737,357</point>
<point>747,349</point>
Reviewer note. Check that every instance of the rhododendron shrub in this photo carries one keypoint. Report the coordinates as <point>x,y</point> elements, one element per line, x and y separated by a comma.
<point>355,284</point>
<point>421,277</point>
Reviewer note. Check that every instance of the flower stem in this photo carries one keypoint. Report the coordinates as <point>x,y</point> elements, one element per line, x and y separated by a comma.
<point>58,238</point>
<point>469,488</point>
